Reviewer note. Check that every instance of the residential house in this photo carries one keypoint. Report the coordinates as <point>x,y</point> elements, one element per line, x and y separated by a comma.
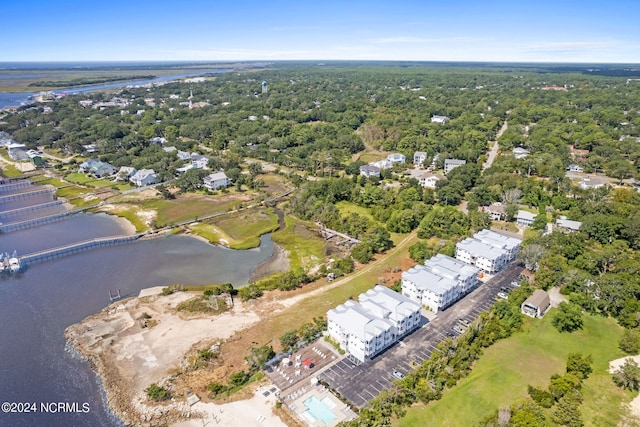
<point>90,148</point>
<point>125,173</point>
<point>144,177</point>
<point>369,171</point>
<point>520,153</point>
<point>35,157</point>
<point>496,211</point>
<point>17,151</point>
<point>429,180</point>
<point>216,180</point>
<point>450,164</point>
<point>397,158</point>
<point>537,304</point>
<point>525,218</point>
<point>382,164</point>
<point>568,226</point>
<point>574,168</point>
<point>592,183</point>
<point>366,328</point>
<point>183,155</point>
<point>199,161</point>
<point>439,119</point>
<point>484,256</point>
<point>183,169</point>
<point>97,168</point>
<point>419,157</point>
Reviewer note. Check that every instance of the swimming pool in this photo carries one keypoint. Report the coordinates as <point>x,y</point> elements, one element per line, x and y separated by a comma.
<point>319,410</point>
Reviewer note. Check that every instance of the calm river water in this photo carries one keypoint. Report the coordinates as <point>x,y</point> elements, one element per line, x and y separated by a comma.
<point>37,305</point>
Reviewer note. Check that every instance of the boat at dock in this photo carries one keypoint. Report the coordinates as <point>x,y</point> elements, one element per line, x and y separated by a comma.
<point>10,264</point>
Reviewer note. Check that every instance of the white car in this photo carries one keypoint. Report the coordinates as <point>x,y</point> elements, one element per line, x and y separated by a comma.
<point>503,295</point>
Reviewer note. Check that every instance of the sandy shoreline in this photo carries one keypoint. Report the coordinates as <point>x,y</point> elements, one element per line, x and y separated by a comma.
<point>278,261</point>
<point>128,357</point>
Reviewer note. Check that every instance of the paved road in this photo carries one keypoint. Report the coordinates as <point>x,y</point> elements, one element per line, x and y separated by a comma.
<point>361,383</point>
<point>494,149</point>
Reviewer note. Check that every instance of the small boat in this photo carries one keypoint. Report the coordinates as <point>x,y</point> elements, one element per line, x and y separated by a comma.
<point>14,264</point>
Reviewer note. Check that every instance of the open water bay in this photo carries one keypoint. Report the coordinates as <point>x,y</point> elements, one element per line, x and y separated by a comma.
<point>38,304</point>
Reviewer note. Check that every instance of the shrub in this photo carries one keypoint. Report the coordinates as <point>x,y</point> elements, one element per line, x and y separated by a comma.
<point>156,392</point>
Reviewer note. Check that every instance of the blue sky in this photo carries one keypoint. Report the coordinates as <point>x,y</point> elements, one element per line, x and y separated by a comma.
<point>112,30</point>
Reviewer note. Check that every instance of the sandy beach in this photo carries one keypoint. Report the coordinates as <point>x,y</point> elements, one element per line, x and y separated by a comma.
<point>128,357</point>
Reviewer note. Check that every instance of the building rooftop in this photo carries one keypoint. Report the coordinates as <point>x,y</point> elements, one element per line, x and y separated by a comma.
<point>451,268</point>
<point>478,249</point>
<point>426,280</point>
<point>497,240</point>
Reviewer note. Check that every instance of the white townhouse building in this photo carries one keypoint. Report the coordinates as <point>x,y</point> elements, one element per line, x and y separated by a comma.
<point>500,241</point>
<point>144,177</point>
<point>364,329</point>
<point>403,313</point>
<point>466,275</point>
<point>216,180</point>
<point>484,256</point>
<point>440,282</point>
<point>429,289</point>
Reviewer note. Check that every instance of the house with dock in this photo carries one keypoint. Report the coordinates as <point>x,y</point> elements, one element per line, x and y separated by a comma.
<point>144,177</point>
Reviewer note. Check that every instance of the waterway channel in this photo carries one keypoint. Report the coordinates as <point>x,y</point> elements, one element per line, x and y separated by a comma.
<point>39,303</point>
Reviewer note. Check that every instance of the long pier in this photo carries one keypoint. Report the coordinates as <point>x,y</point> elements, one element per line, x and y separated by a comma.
<point>6,228</point>
<point>26,195</point>
<point>33,208</point>
<point>8,186</point>
<point>76,248</point>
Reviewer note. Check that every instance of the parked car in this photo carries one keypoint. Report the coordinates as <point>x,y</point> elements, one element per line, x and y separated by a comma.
<point>505,290</point>
<point>399,375</point>
<point>464,322</point>
<point>458,330</point>
<point>515,283</point>
<point>503,295</point>
<point>451,335</point>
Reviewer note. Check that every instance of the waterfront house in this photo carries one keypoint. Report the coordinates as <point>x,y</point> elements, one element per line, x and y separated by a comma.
<point>125,173</point>
<point>97,168</point>
<point>144,177</point>
<point>216,180</point>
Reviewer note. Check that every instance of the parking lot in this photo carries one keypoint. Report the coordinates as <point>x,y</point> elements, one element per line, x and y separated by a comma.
<point>361,383</point>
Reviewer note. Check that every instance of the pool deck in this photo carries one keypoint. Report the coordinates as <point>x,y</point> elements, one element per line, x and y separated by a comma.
<point>296,405</point>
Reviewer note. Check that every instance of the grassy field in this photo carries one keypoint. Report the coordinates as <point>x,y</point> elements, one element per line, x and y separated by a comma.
<point>305,310</point>
<point>82,179</point>
<point>241,230</point>
<point>187,207</point>
<point>9,171</point>
<point>305,247</point>
<point>345,208</point>
<point>503,373</point>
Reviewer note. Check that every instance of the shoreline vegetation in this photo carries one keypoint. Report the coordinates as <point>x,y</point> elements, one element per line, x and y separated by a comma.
<point>88,81</point>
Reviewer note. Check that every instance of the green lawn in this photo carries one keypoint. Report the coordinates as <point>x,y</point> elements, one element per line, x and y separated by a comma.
<point>503,373</point>
<point>345,208</point>
<point>9,171</point>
